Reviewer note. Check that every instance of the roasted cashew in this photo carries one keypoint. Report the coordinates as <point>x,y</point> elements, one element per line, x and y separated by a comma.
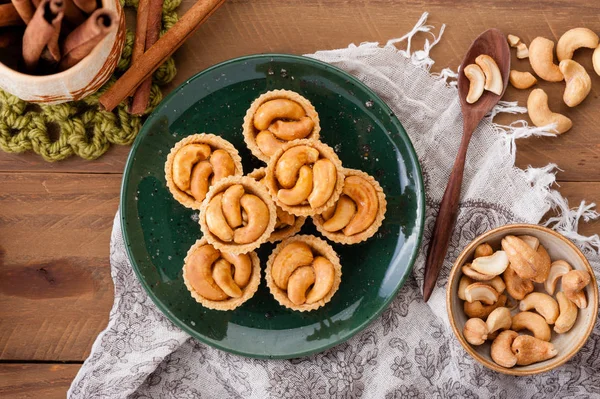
<point>596,60</point>
<point>532,322</point>
<point>365,197</point>
<point>521,80</point>
<point>477,309</point>
<point>513,40</point>
<point>525,261</point>
<point>231,205</point>
<point>578,82</point>
<point>492,265</point>
<point>568,314</point>
<point>481,292</point>
<point>483,250</point>
<point>573,284</point>
<point>541,115</point>
<point>199,180</point>
<point>222,275</point>
<point>515,285</point>
<point>277,109</point>
<point>475,331</point>
<point>493,77</point>
<point>476,82</point>
<point>475,275</point>
<point>324,276</point>
<point>184,161</point>
<point>200,273</point>
<point>500,350</point>
<point>544,304</point>
<point>299,282</point>
<point>499,319</point>
<point>573,39</point>
<point>324,179</point>
<point>497,283</point>
<point>522,51</point>
<point>464,282</point>
<point>223,165</point>
<point>532,241</point>
<point>292,130</point>
<point>242,266</point>
<point>215,220</point>
<point>290,162</point>
<point>258,219</point>
<point>541,57</point>
<point>343,212</point>
<point>530,350</point>
<point>328,213</point>
<point>301,190</point>
<point>558,269</point>
<point>268,143</point>
<point>291,257</point>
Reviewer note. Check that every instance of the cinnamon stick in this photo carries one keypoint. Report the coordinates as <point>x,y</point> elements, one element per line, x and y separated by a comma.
<point>141,27</point>
<point>157,54</point>
<point>86,36</point>
<point>25,9</point>
<point>87,6</point>
<point>40,31</point>
<point>73,15</point>
<point>9,16</point>
<point>154,22</point>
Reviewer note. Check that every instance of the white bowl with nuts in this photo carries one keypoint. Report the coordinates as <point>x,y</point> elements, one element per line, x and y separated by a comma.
<point>522,299</point>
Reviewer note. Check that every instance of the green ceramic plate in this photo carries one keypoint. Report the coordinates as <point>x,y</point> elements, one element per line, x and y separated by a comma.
<point>366,135</point>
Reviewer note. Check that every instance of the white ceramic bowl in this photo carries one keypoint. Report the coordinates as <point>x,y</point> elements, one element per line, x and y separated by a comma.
<point>558,247</point>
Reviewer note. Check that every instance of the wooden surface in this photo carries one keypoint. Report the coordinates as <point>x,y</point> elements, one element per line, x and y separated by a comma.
<point>55,219</point>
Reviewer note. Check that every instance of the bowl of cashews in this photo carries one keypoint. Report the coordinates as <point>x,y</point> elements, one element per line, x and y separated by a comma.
<point>522,299</point>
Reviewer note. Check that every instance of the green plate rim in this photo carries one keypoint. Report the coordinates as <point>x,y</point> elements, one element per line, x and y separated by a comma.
<point>420,193</point>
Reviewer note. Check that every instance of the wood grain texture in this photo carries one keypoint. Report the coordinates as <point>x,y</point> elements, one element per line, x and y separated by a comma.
<point>48,381</point>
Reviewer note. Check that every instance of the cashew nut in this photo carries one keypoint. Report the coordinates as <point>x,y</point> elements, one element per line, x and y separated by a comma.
<point>299,282</point>
<point>515,285</point>
<point>199,180</point>
<point>324,179</point>
<point>596,60</point>
<point>200,273</point>
<point>558,269</point>
<point>300,191</point>
<point>541,57</point>
<point>499,319</point>
<point>497,283</point>
<point>532,241</point>
<point>292,130</point>
<point>477,309</point>
<point>483,250</point>
<point>532,322</point>
<point>475,275</point>
<point>242,266</point>
<point>544,304</point>
<point>568,314</point>
<point>521,80</point>
<point>573,284</point>
<point>222,165</point>
<point>493,77</point>
<point>464,282</point>
<point>215,220</point>
<point>525,261</point>
<point>291,257</point>
<point>513,40</point>
<point>578,82</point>
<point>258,219</point>
<point>277,109</point>
<point>268,143</point>
<point>529,350</point>
<point>481,292</point>
<point>365,197</point>
<point>223,278</point>
<point>541,115</point>
<point>290,162</point>
<point>476,82</point>
<point>324,276</point>
<point>343,213</point>
<point>230,205</point>
<point>522,51</point>
<point>475,331</point>
<point>328,213</point>
<point>184,160</point>
<point>501,351</point>
<point>573,39</point>
<point>492,265</point>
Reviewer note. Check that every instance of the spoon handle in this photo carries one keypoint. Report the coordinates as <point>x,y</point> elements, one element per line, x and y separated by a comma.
<point>444,224</point>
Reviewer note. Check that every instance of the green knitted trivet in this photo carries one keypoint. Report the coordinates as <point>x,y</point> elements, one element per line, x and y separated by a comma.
<point>83,129</point>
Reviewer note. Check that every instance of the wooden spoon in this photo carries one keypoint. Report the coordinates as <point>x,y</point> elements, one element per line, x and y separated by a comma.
<point>493,43</point>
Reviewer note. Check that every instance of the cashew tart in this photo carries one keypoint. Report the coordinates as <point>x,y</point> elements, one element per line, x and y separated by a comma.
<point>196,163</point>
<point>238,215</point>
<point>305,177</point>
<point>303,273</point>
<point>357,214</point>
<point>287,224</point>
<point>220,280</point>
<point>276,117</point>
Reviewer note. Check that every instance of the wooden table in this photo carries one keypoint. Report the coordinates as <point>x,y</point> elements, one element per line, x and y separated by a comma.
<point>55,219</point>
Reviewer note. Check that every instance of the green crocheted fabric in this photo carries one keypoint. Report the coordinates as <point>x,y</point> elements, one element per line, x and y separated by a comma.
<point>83,129</point>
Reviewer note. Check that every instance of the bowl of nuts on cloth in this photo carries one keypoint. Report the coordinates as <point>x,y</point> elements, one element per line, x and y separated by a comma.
<point>522,299</point>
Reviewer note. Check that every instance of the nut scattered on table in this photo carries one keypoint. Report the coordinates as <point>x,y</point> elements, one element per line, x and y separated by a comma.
<point>521,80</point>
<point>578,82</point>
<point>541,115</point>
<point>574,39</point>
<point>541,58</point>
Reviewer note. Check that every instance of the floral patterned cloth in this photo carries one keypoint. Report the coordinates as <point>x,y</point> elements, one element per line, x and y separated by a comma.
<point>410,351</point>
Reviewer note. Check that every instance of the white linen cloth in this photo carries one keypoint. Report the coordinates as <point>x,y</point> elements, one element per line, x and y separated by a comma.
<point>408,352</point>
